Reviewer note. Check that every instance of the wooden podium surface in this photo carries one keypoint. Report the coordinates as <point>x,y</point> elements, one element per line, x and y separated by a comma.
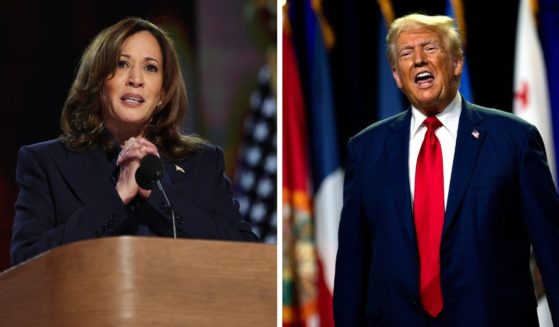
<point>139,281</point>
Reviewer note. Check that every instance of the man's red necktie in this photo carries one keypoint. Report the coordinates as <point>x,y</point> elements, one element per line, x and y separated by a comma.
<point>428,208</point>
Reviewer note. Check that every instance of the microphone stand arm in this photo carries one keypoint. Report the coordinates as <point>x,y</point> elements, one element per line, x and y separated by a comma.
<point>160,187</point>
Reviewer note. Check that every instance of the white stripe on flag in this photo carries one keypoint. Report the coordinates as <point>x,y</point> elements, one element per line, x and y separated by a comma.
<point>328,207</point>
<point>531,98</point>
<point>544,316</point>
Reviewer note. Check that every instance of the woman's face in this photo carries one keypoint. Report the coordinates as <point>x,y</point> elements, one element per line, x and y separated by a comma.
<point>131,96</point>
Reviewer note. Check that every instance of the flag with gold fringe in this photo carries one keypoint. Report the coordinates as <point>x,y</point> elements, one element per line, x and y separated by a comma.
<point>299,271</point>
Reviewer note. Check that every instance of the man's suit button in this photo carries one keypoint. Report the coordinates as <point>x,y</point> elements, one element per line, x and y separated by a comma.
<point>414,258</point>
<point>415,301</point>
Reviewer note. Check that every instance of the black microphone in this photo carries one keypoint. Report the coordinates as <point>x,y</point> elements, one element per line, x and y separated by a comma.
<point>149,172</point>
<point>148,175</point>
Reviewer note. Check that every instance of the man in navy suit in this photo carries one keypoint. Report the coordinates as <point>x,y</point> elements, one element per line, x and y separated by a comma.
<point>443,202</point>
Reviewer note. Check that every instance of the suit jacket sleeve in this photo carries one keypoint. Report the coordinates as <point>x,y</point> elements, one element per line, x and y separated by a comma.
<point>354,250</point>
<point>540,204</point>
<point>209,211</point>
<point>36,227</point>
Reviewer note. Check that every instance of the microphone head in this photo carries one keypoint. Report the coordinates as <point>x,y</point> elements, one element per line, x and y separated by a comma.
<point>150,170</point>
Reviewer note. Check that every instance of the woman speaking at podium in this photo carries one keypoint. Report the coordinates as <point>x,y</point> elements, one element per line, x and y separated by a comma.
<point>126,104</point>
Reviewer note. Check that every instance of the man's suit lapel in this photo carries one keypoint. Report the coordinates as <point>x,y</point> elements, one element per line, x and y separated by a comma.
<point>397,148</point>
<point>87,174</point>
<point>468,142</point>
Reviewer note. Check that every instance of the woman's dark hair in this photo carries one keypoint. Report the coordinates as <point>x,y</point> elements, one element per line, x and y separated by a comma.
<point>82,122</point>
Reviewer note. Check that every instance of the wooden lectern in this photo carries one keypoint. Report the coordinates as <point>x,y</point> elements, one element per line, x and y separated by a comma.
<point>139,281</point>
